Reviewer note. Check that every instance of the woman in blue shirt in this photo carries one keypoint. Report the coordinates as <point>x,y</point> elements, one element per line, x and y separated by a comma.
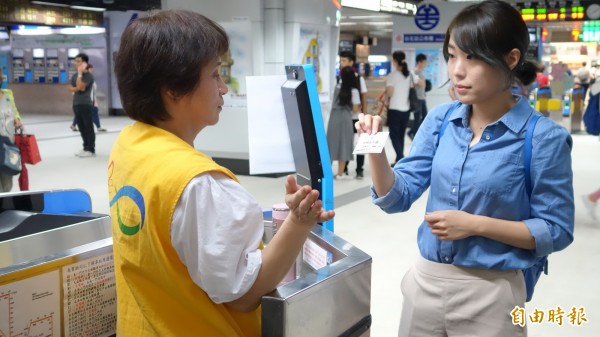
<point>482,225</point>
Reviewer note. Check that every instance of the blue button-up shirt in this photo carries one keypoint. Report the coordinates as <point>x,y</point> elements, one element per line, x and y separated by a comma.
<point>488,179</point>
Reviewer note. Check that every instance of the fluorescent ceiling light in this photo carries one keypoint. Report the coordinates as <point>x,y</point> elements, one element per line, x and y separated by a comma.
<point>377,58</point>
<point>86,8</point>
<point>383,23</point>
<point>370,5</point>
<point>44,3</point>
<point>82,30</point>
<point>41,30</point>
<point>366,17</point>
<point>379,23</point>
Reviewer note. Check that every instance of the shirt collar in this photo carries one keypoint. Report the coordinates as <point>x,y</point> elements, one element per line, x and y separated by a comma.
<point>515,119</point>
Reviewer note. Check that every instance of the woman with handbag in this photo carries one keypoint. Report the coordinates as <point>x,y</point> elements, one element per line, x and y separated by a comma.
<point>398,86</point>
<point>9,121</point>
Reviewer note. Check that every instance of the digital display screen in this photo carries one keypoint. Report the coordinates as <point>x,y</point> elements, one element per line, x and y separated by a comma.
<point>553,10</point>
<point>38,53</point>
<point>72,52</point>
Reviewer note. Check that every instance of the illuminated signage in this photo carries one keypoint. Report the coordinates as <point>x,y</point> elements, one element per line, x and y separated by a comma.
<point>398,7</point>
<point>556,10</point>
<point>370,5</point>
<point>389,6</point>
<point>591,31</point>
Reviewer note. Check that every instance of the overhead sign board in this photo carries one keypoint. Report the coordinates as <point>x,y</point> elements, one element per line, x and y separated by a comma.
<point>541,11</point>
<point>388,6</point>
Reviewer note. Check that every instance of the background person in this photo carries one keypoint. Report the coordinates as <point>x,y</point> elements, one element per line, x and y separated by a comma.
<point>9,121</point>
<point>187,235</point>
<point>95,112</point>
<point>419,83</point>
<point>348,59</point>
<point>591,203</point>
<point>481,227</point>
<point>397,86</point>
<point>584,76</point>
<point>81,88</point>
<point>339,135</point>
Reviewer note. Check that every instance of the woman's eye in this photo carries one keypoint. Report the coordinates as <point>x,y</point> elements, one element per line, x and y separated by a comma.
<point>450,56</point>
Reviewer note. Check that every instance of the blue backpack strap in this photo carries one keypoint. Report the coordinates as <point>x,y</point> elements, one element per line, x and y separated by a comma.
<point>531,274</point>
<point>455,105</point>
<point>527,149</point>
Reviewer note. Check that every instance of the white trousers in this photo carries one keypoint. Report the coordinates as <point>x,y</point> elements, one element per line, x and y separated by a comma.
<point>443,300</point>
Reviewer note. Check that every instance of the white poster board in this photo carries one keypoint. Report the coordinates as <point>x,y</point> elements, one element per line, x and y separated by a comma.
<point>270,150</point>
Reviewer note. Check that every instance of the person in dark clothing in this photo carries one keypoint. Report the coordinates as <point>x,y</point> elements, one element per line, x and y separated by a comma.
<point>81,87</point>
<point>348,59</point>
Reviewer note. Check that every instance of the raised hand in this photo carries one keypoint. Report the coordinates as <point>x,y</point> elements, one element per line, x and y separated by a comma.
<point>368,124</point>
<point>305,206</point>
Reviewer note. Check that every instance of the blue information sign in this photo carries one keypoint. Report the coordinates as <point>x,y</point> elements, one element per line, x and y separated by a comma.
<point>424,38</point>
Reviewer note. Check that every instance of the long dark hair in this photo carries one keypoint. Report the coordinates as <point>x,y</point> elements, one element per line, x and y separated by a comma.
<point>400,58</point>
<point>348,78</point>
<point>488,31</point>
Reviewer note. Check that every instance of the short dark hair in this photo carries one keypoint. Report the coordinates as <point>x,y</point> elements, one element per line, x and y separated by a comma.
<point>488,31</point>
<point>421,57</point>
<point>349,55</point>
<point>83,57</point>
<point>166,50</point>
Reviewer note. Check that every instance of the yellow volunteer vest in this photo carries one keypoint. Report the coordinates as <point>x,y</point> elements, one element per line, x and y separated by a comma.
<point>148,170</point>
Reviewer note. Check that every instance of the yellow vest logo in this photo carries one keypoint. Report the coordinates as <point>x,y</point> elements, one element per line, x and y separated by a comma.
<point>134,195</point>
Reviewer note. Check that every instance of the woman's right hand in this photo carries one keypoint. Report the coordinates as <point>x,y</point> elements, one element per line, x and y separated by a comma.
<point>304,204</point>
<point>368,124</point>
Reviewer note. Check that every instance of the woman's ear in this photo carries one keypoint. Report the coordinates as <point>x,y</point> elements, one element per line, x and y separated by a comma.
<point>168,95</point>
<point>512,58</point>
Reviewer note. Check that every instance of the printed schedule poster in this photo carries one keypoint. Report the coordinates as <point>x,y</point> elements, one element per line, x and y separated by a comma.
<point>31,307</point>
<point>90,304</point>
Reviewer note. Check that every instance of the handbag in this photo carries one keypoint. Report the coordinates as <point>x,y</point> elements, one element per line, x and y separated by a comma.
<point>413,101</point>
<point>379,109</point>
<point>10,157</point>
<point>428,86</point>
<point>27,144</point>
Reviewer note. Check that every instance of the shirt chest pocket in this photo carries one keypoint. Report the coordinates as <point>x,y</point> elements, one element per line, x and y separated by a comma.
<point>497,173</point>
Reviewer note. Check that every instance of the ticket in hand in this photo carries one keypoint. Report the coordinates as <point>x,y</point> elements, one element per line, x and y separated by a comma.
<point>373,143</point>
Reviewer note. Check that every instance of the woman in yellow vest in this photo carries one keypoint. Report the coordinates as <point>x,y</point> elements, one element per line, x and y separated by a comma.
<point>185,233</point>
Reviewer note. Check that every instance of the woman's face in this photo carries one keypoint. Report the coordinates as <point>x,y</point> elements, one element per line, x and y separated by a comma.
<point>205,103</point>
<point>474,80</point>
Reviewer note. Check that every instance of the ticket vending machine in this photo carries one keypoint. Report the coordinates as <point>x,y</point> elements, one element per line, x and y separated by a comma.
<point>39,65</point>
<point>70,66</point>
<point>52,66</point>
<point>18,62</point>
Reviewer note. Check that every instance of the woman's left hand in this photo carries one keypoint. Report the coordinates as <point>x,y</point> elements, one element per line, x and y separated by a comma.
<point>18,124</point>
<point>450,225</point>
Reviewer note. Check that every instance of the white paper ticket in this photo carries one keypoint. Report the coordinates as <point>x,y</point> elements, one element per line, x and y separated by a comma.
<point>373,143</point>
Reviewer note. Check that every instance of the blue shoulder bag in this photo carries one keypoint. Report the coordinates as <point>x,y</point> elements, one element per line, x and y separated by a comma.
<point>533,273</point>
